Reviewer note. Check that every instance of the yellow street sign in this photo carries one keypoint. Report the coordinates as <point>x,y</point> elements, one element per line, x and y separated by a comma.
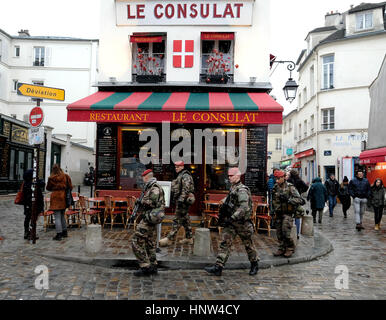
<point>30,90</point>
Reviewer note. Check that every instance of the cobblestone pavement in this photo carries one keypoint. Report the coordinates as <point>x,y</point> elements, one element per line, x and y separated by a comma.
<point>363,254</point>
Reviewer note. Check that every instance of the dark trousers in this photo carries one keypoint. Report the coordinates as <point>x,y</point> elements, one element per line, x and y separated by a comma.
<point>27,219</point>
<point>378,212</point>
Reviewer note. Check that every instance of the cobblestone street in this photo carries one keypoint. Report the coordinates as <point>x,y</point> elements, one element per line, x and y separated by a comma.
<point>363,254</point>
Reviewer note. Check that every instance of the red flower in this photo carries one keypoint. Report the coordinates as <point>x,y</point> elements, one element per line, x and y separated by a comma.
<point>153,59</point>
<point>135,66</point>
<point>236,66</point>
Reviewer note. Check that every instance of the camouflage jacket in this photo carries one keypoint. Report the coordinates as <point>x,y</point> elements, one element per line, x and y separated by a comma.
<point>240,201</point>
<point>182,186</point>
<point>153,199</point>
<point>291,193</point>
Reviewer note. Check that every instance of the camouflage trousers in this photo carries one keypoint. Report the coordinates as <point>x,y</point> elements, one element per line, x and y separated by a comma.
<point>245,232</point>
<point>144,244</point>
<point>181,219</point>
<point>284,224</point>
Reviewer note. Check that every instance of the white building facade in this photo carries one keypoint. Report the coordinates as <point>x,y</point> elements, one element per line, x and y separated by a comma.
<point>330,124</point>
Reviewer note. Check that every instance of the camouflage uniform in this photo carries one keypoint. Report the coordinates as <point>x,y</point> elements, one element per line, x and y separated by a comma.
<point>284,213</point>
<point>145,236</point>
<point>182,189</point>
<point>241,225</point>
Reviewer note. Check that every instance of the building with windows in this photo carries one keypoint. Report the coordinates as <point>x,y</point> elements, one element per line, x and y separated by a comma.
<point>274,147</point>
<point>58,62</point>
<point>189,64</point>
<point>335,71</point>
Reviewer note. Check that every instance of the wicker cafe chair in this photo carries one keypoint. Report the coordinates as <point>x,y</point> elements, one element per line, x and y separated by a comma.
<point>130,207</point>
<point>73,213</point>
<point>262,215</point>
<point>88,214</point>
<point>113,212</point>
<point>48,215</point>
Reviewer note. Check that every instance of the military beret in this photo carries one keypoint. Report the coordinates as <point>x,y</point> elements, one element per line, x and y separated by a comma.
<point>146,172</point>
<point>279,173</point>
<point>179,163</point>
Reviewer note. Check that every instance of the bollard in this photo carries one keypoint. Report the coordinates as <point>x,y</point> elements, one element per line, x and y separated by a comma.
<point>294,235</point>
<point>307,225</point>
<point>93,238</point>
<point>202,242</point>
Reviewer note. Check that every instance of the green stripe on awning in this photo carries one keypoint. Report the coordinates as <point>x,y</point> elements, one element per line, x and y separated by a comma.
<point>198,101</point>
<point>155,101</point>
<point>110,102</point>
<point>241,101</point>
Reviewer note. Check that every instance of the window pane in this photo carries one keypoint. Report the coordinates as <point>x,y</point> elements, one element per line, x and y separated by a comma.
<point>369,20</point>
<point>224,46</point>
<point>12,165</point>
<point>207,46</point>
<point>325,75</point>
<point>331,75</point>
<point>143,46</point>
<point>359,18</point>
<point>159,47</point>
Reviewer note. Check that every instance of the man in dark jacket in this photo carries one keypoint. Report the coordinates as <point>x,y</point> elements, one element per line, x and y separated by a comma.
<point>271,182</point>
<point>332,187</point>
<point>360,191</point>
<point>318,196</point>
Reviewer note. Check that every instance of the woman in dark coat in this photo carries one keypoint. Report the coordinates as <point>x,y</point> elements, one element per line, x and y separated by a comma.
<point>344,196</point>
<point>378,201</point>
<point>57,183</point>
<point>27,192</point>
<point>318,196</point>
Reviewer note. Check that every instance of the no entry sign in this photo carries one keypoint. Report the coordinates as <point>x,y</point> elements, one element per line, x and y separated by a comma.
<point>36,117</point>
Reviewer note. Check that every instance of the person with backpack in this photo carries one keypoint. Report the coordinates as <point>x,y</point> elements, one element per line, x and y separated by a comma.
<point>318,196</point>
<point>332,187</point>
<point>152,211</point>
<point>344,196</point>
<point>302,187</point>
<point>378,202</point>
<point>183,196</point>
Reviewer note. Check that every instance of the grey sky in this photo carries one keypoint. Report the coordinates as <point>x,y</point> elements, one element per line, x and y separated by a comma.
<point>290,23</point>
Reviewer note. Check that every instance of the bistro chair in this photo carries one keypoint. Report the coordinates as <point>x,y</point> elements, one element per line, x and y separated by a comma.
<point>113,212</point>
<point>88,215</point>
<point>73,215</point>
<point>48,215</point>
<point>130,207</point>
<point>262,215</point>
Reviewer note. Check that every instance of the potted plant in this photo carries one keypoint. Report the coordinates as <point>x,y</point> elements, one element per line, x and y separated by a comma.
<point>218,66</point>
<point>148,68</point>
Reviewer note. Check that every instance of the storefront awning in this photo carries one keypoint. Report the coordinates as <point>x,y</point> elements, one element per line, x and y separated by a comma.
<point>304,154</point>
<point>177,107</point>
<point>373,156</point>
<point>217,35</point>
<point>140,39</point>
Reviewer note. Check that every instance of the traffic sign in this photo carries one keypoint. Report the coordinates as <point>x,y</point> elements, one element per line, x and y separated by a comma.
<point>30,90</point>
<point>36,117</point>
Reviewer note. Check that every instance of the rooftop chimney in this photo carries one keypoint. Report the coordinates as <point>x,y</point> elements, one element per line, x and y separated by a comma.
<point>24,33</point>
<point>333,19</point>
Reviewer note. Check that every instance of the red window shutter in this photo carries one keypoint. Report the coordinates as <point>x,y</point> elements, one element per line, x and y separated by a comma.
<point>188,61</point>
<point>189,45</point>
<point>177,61</point>
<point>177,45</point>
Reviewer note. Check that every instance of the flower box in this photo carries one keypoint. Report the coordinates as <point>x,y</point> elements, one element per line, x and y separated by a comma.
<point>148,78</point>
<point>217,78</point>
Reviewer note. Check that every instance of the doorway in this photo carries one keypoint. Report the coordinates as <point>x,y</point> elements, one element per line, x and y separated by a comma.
<point>328,170</point>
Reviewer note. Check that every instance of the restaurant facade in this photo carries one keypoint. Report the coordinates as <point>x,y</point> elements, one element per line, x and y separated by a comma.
<point>188,74</point>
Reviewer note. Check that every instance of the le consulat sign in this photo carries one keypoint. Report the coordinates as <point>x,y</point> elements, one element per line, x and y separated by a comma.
<point>184,12</point>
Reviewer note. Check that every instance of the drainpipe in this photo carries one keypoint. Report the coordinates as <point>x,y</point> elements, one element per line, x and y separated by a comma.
<point>317,158</point>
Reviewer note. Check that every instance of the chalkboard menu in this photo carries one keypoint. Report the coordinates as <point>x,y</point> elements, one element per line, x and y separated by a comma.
<point>106,176</point>
<point>256,160</point>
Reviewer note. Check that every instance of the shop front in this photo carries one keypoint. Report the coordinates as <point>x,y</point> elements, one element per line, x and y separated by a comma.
<point>162,127</point>
<point>305,162</point>
<point>375,162</point>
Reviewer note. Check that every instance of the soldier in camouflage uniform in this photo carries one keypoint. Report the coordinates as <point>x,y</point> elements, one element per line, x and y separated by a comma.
<point>285,202</point>
<point>151,212</point>
<point>239,223</point>
<point>183,196</point>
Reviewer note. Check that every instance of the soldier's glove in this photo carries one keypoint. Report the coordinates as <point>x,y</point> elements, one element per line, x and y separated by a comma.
<point>283,198</point>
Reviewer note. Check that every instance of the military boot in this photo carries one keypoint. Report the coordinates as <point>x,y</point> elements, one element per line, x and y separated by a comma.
<point>215,269</point>
<point>58,237</point>
<point>289,252</point>
<point>64,234</point>
<point>187,241</point>
<point>142,272</point>
<point>164,242</point>
<point>153,269</point>
<point>278,253</point>
<point>254,268</point>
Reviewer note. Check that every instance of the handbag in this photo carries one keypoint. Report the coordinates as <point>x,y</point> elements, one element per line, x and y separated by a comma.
<point>69,198</point>
<point>20,196</point>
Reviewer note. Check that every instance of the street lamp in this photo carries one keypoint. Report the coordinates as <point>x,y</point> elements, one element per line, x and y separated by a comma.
<point>291,86</point>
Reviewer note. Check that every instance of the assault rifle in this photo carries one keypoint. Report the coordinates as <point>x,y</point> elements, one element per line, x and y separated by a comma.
<point>136,208</point>
<point>225,212</point>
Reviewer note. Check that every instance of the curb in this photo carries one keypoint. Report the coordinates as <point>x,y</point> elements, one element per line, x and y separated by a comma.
<point>322,247</point>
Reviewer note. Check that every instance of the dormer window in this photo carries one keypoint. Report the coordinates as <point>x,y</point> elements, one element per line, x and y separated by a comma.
<point>364,21</point>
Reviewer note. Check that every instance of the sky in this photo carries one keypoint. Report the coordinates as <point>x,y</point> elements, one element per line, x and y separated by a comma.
<point>291,20</point>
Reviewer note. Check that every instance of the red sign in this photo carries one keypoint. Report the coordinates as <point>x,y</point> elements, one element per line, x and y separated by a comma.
<point>36,117</point>
<point>183,54</point>
<point>307,153</point>
<point>141,39</point>
<point>217,35</point>
<point>199,117</point>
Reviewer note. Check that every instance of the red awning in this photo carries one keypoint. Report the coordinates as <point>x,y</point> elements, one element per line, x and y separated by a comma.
<point>217,35</point>
<point>373,156</point>
<point>188,107</point>
<point>296,165</point>
<point>145,39</point>
<point>303,154</point>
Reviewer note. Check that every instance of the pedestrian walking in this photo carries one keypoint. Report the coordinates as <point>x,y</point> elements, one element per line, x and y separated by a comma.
<point>285,200</point>
<point>318,196</point>
<point>360,191</point>
<point>151,212</point>
<point>332,187</point>
<point>27,192</point>
<point>344,196</point>
<point>302,187</point>
<point>378,201</point>
<point>58,182</point>
<point>271,182</point>
<point>183,196</point>
<point>237,222</point>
